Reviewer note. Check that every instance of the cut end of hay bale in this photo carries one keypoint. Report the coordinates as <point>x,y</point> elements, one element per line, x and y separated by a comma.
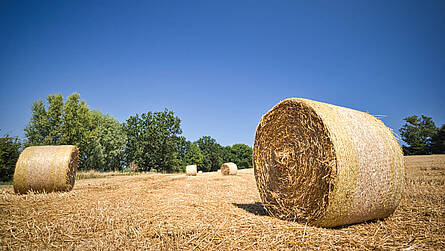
<point>191,170</point>
<point>326,165</point>
<point>229,169</point>
<point>290,143</point>
<point>46,169</point>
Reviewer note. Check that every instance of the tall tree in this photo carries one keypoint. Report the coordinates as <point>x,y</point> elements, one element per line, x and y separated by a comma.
<point>45,126</point>
<point>55,119</point>
<point>182,145</point>
<point>134,150</point>
<point>9,153</point>
<point>77,121</point>
<point>241,155</point>
<point>37,129</point>
<point>212,152</point>
<point>153,141</point>
<point>227,154</point>
<point>100,138</point>
<point>417,133</point>
<point>106,143</point>
<point>194,156</point>
<point>438,141</point>
<point>61,123</point>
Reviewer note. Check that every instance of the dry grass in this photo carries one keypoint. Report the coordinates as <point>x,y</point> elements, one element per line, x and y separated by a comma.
<point>92,174</point>
<point>210,211</point>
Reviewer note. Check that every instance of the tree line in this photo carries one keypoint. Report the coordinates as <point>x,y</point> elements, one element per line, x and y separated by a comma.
<point>152,141</point>
<point>422,136</point>
<point>149,141</point>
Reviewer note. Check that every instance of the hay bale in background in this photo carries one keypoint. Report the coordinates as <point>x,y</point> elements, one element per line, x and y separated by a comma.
<point>326,165</point>
<point>46,169</point>
<point>191,170</point>
<point>229,169</point>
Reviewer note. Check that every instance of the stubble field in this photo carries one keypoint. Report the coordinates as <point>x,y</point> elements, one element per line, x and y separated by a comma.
<point>210,211</point>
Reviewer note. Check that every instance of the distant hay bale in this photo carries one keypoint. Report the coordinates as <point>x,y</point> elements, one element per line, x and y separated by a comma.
<point>326,165</point>
<point>199,171</point>
<point>229,169</point>
<point>46,169</point>
<point>191,170</point>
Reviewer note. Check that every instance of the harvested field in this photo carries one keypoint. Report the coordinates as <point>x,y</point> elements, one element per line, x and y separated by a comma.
<point>210,211</point>
<point>91,174</point>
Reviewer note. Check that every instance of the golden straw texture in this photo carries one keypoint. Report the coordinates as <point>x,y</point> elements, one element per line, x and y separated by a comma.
<point>326,165</point>
<point>229,169</point>
<point>191,170</point>
<point>46,169</point>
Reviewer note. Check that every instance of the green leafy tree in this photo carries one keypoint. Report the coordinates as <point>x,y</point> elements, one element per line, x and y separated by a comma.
<point>55,119</point>
<point>100,138</point>
<point>194,156</point>
<point>105,144</point>
<point>45,127</point>
<point>9,153</point>
<point>241,155</point>
<point>227,154</point>
<point>38,128</point>
<point>77,121</point>
<point>134,151</point>
<point>61,123</point>
<point>153,140</point>
<point>438,141</point>
<point>417,132</point>
<point>212,152</point>
<point>182,145</point>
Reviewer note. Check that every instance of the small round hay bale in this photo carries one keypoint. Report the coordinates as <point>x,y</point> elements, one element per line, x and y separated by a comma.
<point>191,170</point>
<point>229,169</point>
<point>46,169</point>
<point>199,171</point>
<point>326,165</point>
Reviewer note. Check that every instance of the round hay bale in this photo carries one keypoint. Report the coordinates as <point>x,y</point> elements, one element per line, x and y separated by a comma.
<point>46,169</point>
<point>191,170</point>
<point>326,165</point>
<point>199,171</point>
<point>229,169</point>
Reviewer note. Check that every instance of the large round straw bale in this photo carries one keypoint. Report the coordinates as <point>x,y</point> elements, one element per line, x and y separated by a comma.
<point>229,169</point>
<point>326,165</point>
<point>46,169</point>
<point>191,170</point>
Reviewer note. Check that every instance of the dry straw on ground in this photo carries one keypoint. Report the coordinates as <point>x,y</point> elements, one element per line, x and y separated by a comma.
<point>191,170</point>
<point>326,165</point>
<point>210,212</point>
<point>229,169</point>
<point>46,169</point>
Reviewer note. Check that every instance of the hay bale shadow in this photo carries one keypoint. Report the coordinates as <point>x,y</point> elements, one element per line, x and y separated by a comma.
<point>256,208</point>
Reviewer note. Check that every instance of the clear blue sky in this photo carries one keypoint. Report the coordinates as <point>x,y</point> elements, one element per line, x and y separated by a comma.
<point>220,65</point>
